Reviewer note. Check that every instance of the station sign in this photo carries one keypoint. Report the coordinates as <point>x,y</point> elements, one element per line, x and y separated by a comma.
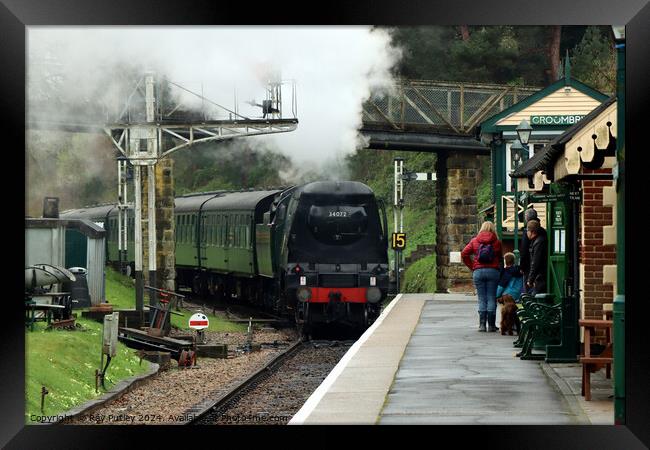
<point>199,321</point>
<point>573,195</point>
<point>555,119</point>
<point>398,241</point>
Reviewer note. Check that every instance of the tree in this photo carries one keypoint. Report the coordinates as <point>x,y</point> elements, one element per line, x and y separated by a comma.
<point>480,54</point>
<point>594,60</point>
<point>555,32</point>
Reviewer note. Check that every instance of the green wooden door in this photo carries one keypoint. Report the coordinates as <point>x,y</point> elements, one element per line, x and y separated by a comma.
<point>76,248</point>
<point>562,217</point>
<point>558,246</point>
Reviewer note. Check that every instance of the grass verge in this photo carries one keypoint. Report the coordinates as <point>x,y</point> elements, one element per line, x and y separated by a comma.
<point>421,275</point>
<point>64,362</point>
<point>120,292</point>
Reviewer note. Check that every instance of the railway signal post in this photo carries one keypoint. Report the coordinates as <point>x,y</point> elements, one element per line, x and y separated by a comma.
<point>140,135</point>
<point>398,205</point>
<point>398,241</point>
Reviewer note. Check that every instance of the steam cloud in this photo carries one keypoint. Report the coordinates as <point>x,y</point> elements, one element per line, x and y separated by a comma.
<point>335,69</point>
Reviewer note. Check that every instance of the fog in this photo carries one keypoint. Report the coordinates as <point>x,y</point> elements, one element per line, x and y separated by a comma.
<point>335,69</point>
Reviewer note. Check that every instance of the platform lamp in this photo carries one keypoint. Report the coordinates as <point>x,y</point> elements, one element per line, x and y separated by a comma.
<point>516,149</point>
<point>524,130</point>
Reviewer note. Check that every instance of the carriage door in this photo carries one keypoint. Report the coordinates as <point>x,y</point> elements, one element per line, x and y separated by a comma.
<point>227,241</point>
<point>202,239</point>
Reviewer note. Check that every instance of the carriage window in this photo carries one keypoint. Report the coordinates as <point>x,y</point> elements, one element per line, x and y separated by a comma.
<point>235,222</point>
<point>181,230</point>
<point>228,239</point>
<point>248,234</point>
<point>218,231</point>
<point>239,234</point>
<point>209,231</point>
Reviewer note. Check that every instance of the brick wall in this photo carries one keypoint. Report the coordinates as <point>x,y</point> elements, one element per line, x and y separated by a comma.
<point>594,254</point>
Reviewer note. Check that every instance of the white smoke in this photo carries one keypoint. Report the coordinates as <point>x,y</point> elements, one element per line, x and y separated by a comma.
<point>335,69</point>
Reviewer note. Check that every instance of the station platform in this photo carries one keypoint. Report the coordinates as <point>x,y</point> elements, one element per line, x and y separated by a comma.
<point>424,362</point>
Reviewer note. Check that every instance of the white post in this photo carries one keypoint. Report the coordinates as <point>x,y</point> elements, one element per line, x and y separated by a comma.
<point>152,151</point>
<point>119,211</point>
<point>401,196</point>
<point>151,175</point>
<point>125,214</point>
<point>139,304</point>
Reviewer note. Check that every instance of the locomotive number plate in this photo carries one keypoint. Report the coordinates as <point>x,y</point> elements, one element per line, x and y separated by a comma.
<point>398,241</point>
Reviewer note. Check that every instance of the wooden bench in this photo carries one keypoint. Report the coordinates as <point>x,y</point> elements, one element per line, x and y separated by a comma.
<point>593,363</point>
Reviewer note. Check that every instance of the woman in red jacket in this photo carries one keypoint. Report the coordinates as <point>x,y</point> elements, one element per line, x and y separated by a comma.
<point>485,266</point>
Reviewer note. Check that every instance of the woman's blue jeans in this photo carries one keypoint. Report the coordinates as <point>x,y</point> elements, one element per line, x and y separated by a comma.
<point>486,281</point>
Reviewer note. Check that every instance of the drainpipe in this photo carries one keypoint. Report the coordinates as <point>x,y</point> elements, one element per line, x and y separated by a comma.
<point>619,300</point>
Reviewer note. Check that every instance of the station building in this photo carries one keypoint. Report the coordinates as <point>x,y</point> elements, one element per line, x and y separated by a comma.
<point>566,173</point>
<point>578,167</point>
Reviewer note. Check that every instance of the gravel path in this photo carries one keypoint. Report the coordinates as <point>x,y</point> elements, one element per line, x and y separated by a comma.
<point>165,397</point>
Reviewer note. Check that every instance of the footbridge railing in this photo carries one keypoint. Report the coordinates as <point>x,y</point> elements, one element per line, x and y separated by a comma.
<point>455,108</point>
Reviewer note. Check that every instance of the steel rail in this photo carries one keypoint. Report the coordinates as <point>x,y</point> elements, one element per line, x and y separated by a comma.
<point>197,412</point>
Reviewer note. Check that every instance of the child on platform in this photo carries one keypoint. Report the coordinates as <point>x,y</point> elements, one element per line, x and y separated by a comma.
<point>511,279</point>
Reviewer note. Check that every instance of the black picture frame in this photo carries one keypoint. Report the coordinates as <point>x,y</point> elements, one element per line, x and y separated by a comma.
<point>15,15</point>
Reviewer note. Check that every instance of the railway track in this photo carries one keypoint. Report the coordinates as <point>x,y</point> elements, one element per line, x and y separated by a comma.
<point>273,394</point>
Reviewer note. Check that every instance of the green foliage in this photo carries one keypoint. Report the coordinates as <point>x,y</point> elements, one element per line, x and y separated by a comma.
<point>228,167</point>
<point>475,58</point>
<point>375,168</point>
<point>504,54</point>
<point>484,190</point>
<point>594,60</point>
<point>65,362</point>
<point>421,275</point>
<point>80,169</point>
<point>120,289</point>
<point>426,53</point>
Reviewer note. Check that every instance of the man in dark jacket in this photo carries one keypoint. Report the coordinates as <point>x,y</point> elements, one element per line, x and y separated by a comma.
<point>524,254</point>
<point>536,278</point>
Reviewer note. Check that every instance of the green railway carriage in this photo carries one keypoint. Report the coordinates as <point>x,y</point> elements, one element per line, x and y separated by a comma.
<point>216,242</point>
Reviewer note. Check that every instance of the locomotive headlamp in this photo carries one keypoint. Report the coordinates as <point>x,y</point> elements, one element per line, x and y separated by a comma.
<point>303,294</point>
<point>373,281</point>
<point>373,295</point>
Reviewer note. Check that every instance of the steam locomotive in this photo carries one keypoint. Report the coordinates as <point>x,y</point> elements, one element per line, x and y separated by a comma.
<point>316,252</point>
